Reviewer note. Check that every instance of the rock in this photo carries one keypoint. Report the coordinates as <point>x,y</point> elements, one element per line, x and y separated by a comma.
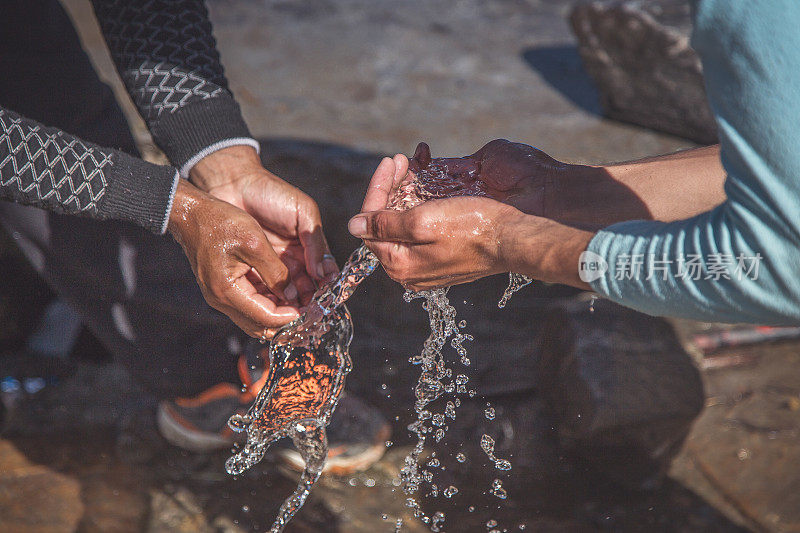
<point>176,512</point>
<point>34,498</point>
<point>638,53</point>
<point>745,443</point>
<point>623,391</point>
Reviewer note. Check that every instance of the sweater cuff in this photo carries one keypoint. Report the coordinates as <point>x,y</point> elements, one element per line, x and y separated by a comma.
<point>187,132</point>
<point>240,141</point>
<point>140,192</point>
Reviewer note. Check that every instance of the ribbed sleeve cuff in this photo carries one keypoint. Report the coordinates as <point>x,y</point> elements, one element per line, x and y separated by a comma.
<point>599,245</point>
<point>139,192</point>
<point>193,128</point>
<point>239,141</point>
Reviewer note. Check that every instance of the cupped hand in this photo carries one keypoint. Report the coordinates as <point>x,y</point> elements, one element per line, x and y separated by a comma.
<point>236,267</point>
<point>440,242</point>
<point>289,218</point>
<point>513,173</point>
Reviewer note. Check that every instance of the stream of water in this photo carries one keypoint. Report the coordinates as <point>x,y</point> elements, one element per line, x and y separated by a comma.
<point>309,360</point>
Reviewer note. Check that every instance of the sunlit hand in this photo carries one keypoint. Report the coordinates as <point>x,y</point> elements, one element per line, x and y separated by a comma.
<point>289,218</point>
<point>440,242</point>
<point>514,173</point>
<point>236,267</point>
<point>456,240</point>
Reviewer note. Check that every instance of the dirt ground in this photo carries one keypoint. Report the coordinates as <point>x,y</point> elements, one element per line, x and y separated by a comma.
<point>328,87</point>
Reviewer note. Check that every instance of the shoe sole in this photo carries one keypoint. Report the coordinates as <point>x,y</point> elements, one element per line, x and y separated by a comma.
<point>182,437</point>
<point>342,466</point>
<point>198,442</point>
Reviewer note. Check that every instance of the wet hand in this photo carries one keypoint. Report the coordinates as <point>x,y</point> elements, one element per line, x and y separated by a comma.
<point>514,173</point>
<point>289,218</point>
<point>440,242</point>
<point>236,267</point>
<point>455,240</point>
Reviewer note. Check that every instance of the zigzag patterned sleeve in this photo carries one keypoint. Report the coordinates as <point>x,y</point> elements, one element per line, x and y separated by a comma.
<point>47,168</point>
<point>167,57</point>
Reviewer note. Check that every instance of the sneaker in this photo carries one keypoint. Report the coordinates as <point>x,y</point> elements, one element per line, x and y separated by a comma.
<point>356,435</point>
<point>200,424</point>
<point>357,438</point>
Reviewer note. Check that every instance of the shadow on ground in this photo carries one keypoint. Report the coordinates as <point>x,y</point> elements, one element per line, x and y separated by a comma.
<point>562,69</point>
<point>96,427</point>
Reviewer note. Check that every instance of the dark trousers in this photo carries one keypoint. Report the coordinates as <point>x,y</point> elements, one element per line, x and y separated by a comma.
<point>136,291</point>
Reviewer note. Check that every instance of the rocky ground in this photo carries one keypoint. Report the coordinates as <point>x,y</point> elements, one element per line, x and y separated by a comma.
<point>328,86</point>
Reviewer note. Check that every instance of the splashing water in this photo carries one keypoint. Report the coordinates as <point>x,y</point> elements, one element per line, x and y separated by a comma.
<point>309,361</point>
<point>430,179</point>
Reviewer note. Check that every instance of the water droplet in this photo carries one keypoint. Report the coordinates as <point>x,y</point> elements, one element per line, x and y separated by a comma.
<point>491,523</point>
<point>502,464</point>
<point>245,509</point>
<point>450,491</point>
<point>498,490</point>
<point>489,412</point>
<point>460,457</point>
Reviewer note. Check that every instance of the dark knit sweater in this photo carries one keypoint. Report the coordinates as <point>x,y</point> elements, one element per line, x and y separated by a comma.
<point>167,57</point>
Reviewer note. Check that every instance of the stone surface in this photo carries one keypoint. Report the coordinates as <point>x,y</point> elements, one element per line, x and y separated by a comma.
<point>327,86</point>
<point>380,76</point>
<point>638,53</point>
<point>623,390</point>
<point>33,498</point>
<point>746,444</point>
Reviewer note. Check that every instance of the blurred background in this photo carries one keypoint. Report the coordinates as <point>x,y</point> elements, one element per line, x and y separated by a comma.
<point>615,421</point>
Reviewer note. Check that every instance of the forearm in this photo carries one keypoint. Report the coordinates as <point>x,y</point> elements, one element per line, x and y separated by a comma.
<point>166,55</point>
<point>665,188</point>
<point>48,168</point>
<point>725,265</point>
<point>543,249</point>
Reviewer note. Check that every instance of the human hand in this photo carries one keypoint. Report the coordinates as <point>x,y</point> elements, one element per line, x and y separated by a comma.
<point>513,173</point>
<point>440,242</point>
<point>236,267</point>
<point>289,218</point>
<point>443,242</point>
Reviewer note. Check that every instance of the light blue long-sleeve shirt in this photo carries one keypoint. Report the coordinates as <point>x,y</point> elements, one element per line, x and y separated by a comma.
<point>739,262</point>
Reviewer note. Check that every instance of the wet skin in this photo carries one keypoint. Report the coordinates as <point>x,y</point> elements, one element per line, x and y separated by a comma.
<point>447,241</point>
<point>255,242</point>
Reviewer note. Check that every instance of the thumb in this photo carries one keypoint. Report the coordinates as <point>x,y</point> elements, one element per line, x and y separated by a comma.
<point>387,225</point>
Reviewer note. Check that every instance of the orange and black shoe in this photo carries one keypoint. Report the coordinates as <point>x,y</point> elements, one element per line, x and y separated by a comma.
<point>356,435</point>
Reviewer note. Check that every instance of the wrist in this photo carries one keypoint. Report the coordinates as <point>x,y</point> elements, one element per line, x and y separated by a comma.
<point>186,200</point>
<point>227,167</point>
<point>544,249</point>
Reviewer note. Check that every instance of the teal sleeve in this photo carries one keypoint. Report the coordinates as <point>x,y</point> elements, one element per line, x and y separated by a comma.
<point>741,261</point>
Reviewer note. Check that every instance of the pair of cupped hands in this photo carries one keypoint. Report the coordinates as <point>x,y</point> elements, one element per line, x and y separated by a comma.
<point>257,248</point>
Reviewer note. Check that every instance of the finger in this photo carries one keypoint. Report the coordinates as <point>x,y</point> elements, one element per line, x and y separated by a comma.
<point>256,308</point>
<point>299,276</point>
<point>380,186</point>
<point>421,158</point>
<point>260,256</point>
<point>318,259</point>
<point>394,226</point>
<point>401,173</point>
<point>400,168</point>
